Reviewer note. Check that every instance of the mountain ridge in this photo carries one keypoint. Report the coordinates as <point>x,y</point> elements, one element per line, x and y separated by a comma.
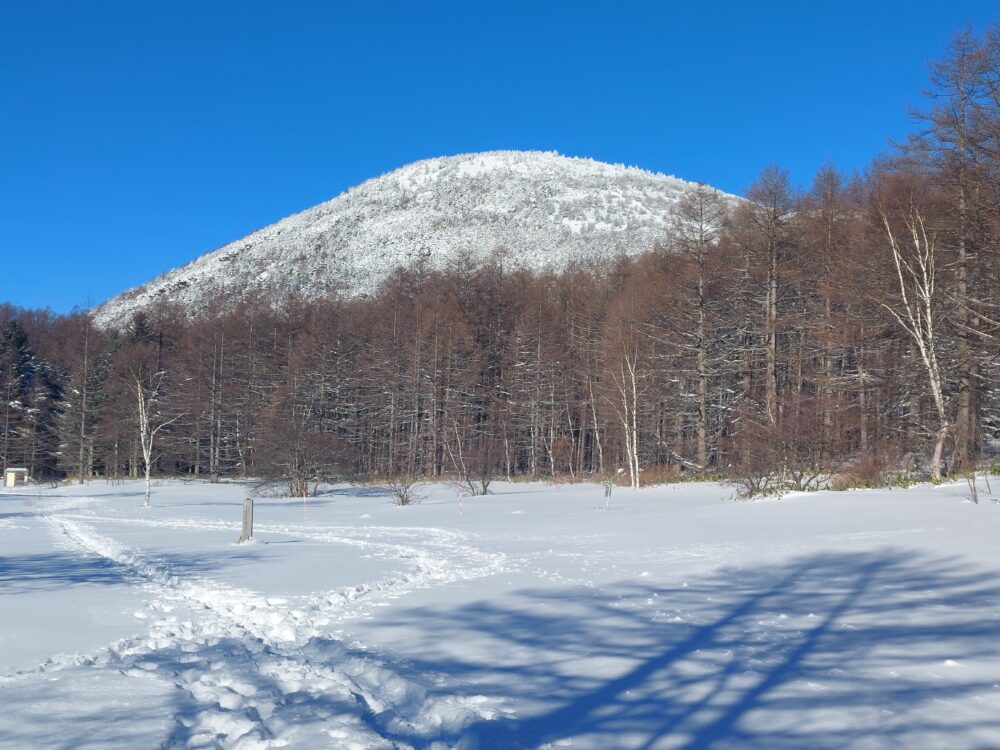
<point>543,209</point>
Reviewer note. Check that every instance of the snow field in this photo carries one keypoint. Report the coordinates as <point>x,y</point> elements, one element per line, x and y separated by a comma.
<point>532,618</point>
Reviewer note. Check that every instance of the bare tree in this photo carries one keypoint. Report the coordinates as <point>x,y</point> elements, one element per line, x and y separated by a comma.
<point>407,489</point>
<point>146,387</point>
<point>913,251</point>
<point>625,375</point>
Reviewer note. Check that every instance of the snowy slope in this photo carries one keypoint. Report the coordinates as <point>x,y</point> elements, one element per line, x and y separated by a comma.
<point>542,209</point>
<point>532,618</point>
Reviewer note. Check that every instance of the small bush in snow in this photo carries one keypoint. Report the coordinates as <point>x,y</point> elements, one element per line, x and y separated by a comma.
<point>406,489</point>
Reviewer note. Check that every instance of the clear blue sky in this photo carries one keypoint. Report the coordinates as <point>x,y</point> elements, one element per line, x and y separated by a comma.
<point>136,135</point>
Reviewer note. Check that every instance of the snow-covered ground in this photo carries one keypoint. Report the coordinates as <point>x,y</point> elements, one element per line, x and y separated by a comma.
<point>531,618</point>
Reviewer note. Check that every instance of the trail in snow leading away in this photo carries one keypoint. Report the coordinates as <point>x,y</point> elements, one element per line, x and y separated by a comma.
<point>532,618</point>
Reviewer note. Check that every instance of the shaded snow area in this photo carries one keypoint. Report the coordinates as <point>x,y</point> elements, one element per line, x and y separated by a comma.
<point>544,211</point>
<point>531,618</point>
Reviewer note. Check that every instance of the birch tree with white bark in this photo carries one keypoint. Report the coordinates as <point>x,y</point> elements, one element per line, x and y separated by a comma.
<point>146,386</point>
<point>913,250</point>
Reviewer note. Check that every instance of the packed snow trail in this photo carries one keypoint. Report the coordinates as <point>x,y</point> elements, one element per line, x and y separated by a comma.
<point>432,556</point>
<point>259,673</point>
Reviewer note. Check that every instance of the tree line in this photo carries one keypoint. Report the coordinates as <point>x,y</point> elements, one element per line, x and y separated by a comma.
<point>848,330</point>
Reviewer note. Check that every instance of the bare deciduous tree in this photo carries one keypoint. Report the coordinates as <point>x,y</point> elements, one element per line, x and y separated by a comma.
<point>914,256</point>
<point>150,421</point>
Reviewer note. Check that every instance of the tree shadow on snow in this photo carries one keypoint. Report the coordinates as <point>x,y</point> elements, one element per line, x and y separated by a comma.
<point>882,649</point>
<point>77,715</point>
<point>888,649</point>
<point>28,573</point>
<point>237,504</point>
<point>360,491</point>
<point>31,505</point>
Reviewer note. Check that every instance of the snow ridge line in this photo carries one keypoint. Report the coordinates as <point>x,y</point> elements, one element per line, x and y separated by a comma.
<point>262,644</point>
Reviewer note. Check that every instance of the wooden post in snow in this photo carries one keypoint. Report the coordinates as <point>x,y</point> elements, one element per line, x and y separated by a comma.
<point>247,535</point>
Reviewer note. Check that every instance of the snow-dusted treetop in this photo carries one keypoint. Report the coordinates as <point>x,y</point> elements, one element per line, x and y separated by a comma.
<point>542,209</point>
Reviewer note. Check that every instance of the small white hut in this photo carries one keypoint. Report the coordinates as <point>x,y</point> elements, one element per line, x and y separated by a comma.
<point>13,477</point>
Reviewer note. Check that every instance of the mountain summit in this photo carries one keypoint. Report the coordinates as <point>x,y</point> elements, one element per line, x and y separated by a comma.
<point>543,210</point>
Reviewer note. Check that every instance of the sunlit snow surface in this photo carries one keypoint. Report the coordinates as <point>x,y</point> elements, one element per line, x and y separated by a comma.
<point>534,617</point>
<point>543,211</point>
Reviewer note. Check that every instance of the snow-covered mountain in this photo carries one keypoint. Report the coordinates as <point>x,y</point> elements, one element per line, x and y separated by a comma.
<point>542,209</point>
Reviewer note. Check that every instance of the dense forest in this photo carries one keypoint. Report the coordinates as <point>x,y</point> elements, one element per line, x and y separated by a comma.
<point>848,332</point>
